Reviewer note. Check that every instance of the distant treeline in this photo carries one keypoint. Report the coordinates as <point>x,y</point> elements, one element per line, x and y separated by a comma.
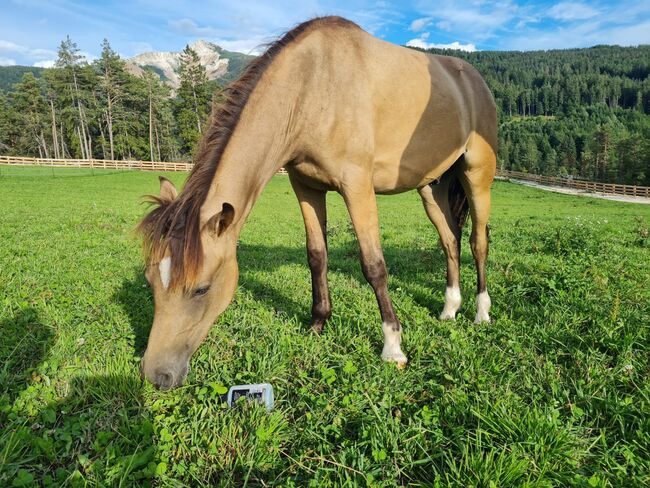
<point>578,112</point>
<point>101,110</point>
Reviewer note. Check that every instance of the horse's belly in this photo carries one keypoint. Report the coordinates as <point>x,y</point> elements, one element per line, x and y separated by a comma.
<point>411,173</point>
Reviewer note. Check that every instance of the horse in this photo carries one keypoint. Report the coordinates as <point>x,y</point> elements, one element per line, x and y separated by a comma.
<point>341,111</point>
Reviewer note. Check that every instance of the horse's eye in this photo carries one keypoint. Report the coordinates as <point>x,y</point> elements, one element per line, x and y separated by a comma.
<point>199,292</point>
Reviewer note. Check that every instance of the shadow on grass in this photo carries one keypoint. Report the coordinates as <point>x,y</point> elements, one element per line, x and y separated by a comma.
<point>136,299</point>
<point>417,272</point>
<point>25,343</point>
<point>99,433</point>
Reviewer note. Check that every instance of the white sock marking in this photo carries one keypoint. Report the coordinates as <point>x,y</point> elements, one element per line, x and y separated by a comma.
<point>483,304</point>
<point>165,268</point>
<point>392,350</point>
<point>453,300</point>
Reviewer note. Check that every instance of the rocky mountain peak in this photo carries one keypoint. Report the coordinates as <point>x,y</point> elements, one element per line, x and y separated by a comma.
<point>167,64</point>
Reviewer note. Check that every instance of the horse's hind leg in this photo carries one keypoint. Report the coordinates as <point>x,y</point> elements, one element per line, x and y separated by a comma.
<point>478,169</point>
<point>362,205</point>
<point>314,213</point>
<point>436,204</point>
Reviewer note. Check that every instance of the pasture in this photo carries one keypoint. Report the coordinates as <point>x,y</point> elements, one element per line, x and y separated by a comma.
<point>554,392</point>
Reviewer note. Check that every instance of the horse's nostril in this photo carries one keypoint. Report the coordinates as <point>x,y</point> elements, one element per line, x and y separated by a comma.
<point>163,380</point>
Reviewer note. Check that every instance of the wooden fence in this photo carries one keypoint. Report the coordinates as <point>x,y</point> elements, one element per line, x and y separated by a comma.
<point>101,164</point>
<point>96,164</point>
<point>590,186</point>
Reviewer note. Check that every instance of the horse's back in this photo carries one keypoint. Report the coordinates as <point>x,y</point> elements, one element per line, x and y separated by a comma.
<point>428,108</point>
<point>411,114</point>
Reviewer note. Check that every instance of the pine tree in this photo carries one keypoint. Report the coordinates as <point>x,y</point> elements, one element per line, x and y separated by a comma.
<point>111,92</point>
<point>70,64</point>
<point>7,125</point>
<point>31,115</point>
<point>193,104</point>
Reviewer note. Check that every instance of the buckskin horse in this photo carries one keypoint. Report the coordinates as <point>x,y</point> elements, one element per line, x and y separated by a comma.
<point>342,111</point>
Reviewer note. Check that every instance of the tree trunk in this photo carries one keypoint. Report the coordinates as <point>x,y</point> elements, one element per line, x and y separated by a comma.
<point>109,123</point>
<point>150,124</point>
<point>44,144</point>
<point>55,142</point>
<point>196,110</point>
<point>157,143</point>
<point>82,131</point>
<point>81,142</point>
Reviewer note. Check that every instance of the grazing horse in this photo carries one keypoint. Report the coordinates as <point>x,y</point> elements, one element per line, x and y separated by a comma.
<point>342,111</point>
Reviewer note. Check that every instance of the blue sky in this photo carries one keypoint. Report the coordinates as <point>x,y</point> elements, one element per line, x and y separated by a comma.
<point>31,30</point>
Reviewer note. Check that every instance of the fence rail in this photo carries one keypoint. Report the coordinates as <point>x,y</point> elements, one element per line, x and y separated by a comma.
<point>101,164</point>
<point>589,186</point>
<point>96,164</point>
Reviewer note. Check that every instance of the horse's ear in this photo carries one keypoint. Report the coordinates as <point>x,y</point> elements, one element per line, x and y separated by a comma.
<point>167,189</point>
<point>220,221</point>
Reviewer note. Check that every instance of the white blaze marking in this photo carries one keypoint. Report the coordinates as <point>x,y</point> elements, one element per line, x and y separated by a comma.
<point>483,304</point>
<point>165,268</point>
<point>452,303</point>
<point>392,350</point>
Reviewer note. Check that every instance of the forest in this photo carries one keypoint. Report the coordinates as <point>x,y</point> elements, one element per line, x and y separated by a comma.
<point>581,113</point>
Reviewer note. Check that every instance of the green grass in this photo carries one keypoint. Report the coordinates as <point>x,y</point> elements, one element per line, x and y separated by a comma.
<point>554,392</point>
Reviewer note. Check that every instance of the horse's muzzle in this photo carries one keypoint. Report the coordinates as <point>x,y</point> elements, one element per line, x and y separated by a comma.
<point>164,378</point>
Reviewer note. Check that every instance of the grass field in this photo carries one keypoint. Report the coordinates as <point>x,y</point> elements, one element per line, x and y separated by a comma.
<point>554,392</point>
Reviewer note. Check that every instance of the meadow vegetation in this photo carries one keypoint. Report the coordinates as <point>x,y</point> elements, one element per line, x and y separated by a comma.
<point>554,392</point>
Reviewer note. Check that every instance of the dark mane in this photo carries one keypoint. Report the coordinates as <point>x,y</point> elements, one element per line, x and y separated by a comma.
<point>174,225</point>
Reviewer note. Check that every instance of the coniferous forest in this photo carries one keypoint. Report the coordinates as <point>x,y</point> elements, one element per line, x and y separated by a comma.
<point>576,112</point>
<point>583,113</point>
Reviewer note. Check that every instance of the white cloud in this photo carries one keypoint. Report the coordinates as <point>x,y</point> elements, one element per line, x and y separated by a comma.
<point>190,28</point>
<point>571,11</point>
<point>629,35</point>
<point>8,47</point>
<point>255,45</point>
<point>87,56</point>
<point>7,61</point>
<point>479,19</point>
<point>418,24</point>
<point>423,44</point>
<point>45,64</point>
<point>140,47</point>
<point>583,35</point>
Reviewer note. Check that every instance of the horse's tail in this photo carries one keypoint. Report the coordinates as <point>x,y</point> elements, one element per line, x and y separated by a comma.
<point>458,203</point>
<point>456,197</point>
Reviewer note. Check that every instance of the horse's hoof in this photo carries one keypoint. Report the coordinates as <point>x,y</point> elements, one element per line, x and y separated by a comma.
<point>317,328</point>
<point>447,316</point>
<point>397,357</point>
<point>480,318</point>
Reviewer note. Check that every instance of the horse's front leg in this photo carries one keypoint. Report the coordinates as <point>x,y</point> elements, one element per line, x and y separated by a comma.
<point>362,205</point>
<point>314,213</point>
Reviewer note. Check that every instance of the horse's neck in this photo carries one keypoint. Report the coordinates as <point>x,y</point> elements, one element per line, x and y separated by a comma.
<point>261,143</point>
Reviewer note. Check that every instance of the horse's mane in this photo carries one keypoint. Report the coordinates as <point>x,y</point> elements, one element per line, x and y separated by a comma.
<point>174,225</point>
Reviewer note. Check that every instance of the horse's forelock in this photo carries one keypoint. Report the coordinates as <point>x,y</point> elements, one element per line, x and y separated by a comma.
<point>173,228</point>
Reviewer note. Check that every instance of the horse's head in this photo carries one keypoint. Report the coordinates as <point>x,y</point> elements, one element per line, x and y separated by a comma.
<point>192,270</point>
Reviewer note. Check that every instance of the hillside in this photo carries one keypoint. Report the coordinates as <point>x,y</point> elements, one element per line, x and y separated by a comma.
<point>580,112</point>
<point>9,75</point>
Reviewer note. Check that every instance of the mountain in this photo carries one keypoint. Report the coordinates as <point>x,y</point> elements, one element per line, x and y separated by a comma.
<point>220,64</point>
